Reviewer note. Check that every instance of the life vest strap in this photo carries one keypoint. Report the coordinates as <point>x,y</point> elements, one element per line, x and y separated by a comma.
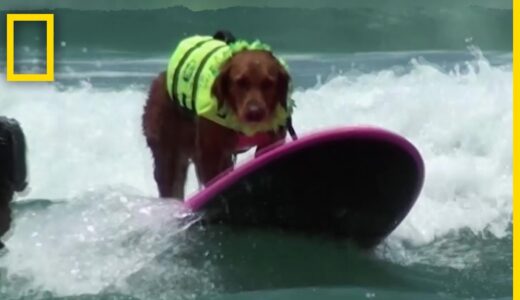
<point>290,128</point>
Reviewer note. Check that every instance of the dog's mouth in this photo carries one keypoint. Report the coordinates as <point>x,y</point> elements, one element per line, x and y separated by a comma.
<point>254,117</point>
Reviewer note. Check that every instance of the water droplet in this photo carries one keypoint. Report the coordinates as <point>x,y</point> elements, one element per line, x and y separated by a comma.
<point>370,295</point>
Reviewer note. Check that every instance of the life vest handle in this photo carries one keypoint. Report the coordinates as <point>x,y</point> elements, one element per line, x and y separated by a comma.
<point>225,36</point>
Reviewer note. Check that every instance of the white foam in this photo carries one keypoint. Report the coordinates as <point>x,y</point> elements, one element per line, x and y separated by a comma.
<point>79,139</point>
<point>91,243</point>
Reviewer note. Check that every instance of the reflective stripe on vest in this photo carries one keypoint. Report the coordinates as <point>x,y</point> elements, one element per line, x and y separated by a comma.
<point>175,80</point>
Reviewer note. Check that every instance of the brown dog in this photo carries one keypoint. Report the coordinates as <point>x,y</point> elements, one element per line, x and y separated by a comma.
<point>251,84</point>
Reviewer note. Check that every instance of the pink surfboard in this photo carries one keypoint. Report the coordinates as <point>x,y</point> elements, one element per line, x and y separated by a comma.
<point>356,183</point>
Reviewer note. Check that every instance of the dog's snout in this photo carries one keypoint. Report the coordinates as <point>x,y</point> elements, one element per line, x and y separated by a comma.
<point>255,113</point>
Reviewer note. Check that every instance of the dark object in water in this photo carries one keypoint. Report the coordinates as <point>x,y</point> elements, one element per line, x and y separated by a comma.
<point>12,154</point>
<point>13,168</point>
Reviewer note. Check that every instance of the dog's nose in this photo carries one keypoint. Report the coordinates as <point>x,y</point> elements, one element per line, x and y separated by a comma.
<point>255,113</point>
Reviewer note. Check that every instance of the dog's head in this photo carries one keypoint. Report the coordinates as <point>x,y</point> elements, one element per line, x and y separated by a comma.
<point>252,83</point>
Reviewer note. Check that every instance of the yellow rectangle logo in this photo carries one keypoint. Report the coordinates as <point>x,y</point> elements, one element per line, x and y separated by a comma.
<point>49,21</point>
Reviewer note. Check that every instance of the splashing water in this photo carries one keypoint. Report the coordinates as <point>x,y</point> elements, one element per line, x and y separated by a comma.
<point>87,151</point>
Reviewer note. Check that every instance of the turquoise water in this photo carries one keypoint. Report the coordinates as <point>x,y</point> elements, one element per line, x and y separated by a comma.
<point>416,25</point>
<point>90,226</point>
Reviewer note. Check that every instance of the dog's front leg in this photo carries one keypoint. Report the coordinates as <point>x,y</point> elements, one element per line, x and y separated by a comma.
<point>213,150</point>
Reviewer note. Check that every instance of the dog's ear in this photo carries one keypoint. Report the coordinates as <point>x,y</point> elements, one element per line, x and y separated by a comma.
<point>220,87</point>
<point>282,87</point>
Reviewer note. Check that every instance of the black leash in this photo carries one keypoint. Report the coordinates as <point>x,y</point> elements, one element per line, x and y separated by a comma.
<point>291,130</point>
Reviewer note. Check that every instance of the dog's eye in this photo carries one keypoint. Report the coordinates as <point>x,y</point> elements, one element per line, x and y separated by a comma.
<point>267,84</point>
<point>242,83</point>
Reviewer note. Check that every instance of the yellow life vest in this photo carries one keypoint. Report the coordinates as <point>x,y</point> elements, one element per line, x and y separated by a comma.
<point>192,70</point>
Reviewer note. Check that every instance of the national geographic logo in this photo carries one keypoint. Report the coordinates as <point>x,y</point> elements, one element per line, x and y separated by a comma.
<point>49,21</point>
